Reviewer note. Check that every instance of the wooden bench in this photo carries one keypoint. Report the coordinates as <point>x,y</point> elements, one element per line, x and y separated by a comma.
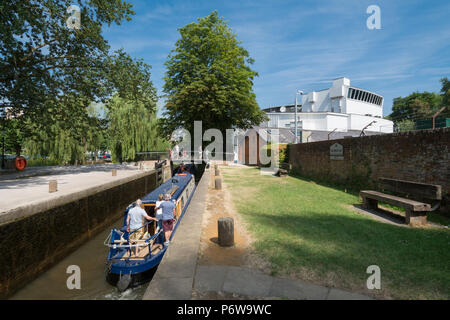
<point>416,198</point>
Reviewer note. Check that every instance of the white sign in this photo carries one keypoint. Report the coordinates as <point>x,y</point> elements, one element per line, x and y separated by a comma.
<point>336,152</point>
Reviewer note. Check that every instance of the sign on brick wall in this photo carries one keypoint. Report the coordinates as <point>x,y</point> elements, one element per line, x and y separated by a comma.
<point>336,152</point>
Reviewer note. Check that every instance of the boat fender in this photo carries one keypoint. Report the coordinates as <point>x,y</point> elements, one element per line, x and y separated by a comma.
<point>124,282</point>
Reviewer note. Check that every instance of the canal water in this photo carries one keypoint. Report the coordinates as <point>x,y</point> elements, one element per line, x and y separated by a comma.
<point>91,258</point>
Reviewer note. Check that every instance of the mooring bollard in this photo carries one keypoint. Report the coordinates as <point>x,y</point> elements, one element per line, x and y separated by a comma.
<point>218,183</point>
<point>52,186</point>
<point>217,172</point>
<point>226,231</point>
<point>114,172</point>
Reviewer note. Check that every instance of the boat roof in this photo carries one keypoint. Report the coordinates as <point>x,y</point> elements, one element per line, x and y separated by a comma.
<point>175,185</point>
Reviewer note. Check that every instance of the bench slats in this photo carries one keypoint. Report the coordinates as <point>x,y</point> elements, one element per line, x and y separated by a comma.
<point>417,190</point>
<point>397,201</point>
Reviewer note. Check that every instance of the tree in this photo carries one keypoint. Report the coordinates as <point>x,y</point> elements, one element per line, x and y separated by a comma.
<point>42,60</point>
<point>133,128</point>
<point>416,106</point>
<point>70,135</point>
<point>131,111</point>
<point>209,79</point>
<point>445,90</point>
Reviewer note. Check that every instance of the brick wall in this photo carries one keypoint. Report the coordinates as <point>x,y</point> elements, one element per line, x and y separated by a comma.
<point>32,244</point>
<point>421,156</point>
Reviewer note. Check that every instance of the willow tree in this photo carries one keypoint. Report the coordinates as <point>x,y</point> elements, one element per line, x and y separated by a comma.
<point>132,128</point>
<point>131,111</point>
<point>209,79</point>
<point>70,135</point>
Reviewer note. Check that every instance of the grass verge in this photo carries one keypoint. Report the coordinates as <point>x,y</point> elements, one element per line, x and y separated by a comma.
<point>309,231</point>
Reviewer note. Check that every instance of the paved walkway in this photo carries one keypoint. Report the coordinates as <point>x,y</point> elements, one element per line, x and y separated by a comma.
<point>248,282</point>
<point>175,275</point>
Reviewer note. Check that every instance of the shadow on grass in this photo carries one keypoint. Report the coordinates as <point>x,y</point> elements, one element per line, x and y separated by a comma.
<point>333,185</point>
<point>382,215</point>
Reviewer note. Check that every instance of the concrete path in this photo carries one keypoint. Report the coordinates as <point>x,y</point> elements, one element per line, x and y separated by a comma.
<point>30,188</point>
<point>248,282</point>
<point>175,275</point>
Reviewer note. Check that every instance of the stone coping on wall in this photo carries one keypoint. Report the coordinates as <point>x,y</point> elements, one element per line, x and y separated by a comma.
<point>58,199</point>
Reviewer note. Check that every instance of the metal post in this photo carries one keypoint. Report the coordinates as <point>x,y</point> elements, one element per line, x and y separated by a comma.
<point>295,121</point>
<point>331,133</point>
<point>435,115</point>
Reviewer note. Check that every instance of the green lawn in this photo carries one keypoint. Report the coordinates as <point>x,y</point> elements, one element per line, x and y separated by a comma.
<point>311,232</point>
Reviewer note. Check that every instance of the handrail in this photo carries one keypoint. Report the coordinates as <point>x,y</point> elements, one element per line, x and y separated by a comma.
<point>110,244</point>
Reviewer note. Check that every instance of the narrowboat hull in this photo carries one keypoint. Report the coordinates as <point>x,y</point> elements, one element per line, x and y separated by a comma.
<point>140,271</point>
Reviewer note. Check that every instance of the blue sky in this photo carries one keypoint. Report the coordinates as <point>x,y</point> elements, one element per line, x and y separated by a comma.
<point>305,44</point>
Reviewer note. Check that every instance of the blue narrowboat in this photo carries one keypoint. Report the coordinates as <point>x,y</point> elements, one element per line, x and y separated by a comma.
<point>133,262</point>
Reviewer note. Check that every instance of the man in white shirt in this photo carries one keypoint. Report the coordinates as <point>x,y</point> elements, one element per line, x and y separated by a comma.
<point>134,219</point>
<point>135,222</point>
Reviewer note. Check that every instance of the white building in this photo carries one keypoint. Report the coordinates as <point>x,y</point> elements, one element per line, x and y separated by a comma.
<point>342,109</point>
<point>335,113</point>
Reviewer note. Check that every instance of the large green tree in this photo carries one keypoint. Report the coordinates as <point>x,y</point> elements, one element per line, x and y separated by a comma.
<point>209,79</point>
<point>42,60</point>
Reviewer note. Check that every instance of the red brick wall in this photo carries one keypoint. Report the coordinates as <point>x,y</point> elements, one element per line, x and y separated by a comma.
<point>421,156</point>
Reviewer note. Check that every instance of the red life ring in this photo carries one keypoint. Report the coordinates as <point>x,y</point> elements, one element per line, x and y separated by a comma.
<point>20,163</point>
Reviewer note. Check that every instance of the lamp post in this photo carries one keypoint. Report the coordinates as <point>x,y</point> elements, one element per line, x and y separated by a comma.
<point>295,121</point>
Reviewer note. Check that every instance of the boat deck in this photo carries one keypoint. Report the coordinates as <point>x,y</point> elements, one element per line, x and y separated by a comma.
<point>140,253</point>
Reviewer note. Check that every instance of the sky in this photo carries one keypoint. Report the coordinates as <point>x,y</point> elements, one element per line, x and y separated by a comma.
<point>305,44</point>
